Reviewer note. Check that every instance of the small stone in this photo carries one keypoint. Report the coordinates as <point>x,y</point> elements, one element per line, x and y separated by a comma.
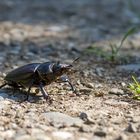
<point>85,73</point>
<point>89,85</point>
<point>8,134</point>
<point>41,137</point>
<point>4,104</point>
<point>123,84</point>
<point>99,71</point>
<point>1,128</point>
<point>1,98</point>
<point>96,138</point>
<point>14,126</point>
<point>62,135</point>
<point>36,131</point>
<point>86,119</point>
<point>23,137</point>
<point>85,90</point>
<point>4,95</point>
<point>83,116</point>
<point>100,133</point>
<point>116,91</point>
<point>37,91</point>
<point>55,28</point>
<point>116,103</point>
<point>79,83</point>
<point>135,119</point>
<point>60,120</point>
<point>129,67</point>
<point>44,127</point>
<point>131,128</point>
<point>99,94</point>
<point>86,128</point>
<point>117,120</point>
<point>122,137</point>
<point>18,34</point>
<point>98,86</point>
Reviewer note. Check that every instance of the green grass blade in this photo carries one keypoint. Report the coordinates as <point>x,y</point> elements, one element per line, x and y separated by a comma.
<point>135,81</point>
<point>128,33</point>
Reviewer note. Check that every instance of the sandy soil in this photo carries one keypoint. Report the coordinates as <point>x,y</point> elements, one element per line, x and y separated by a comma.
<point>46,30</point>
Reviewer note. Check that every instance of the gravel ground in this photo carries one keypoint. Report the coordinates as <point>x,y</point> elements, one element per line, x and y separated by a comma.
<point>50,30</point>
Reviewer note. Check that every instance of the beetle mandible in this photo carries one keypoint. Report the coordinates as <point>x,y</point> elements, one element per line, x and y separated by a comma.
<point>37,75</point>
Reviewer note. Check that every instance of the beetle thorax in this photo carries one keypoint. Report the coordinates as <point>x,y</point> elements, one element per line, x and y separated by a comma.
<point>49,72</point>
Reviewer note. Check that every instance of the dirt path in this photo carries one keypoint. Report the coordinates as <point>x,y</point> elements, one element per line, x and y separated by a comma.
<point>43,31</point>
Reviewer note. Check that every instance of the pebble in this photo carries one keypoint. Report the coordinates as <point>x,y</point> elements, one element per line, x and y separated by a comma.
<point>36,131</point>
<point>86,119</point>
<point>18,34</point>
<point>129,67</point>
<point>98,85</point>
<point>122,137</point>
<point>96,138</point>
<point>135,119</point>
<point>24,137</point>
<point>4,104</point>
<point>99,94</point>
<point>131,128</point>
<point>59,119</point>
<point>56,28</point>
<point>14,52</point>
<point>115,102</point>
<point>100,133</point>
<point>14,126</point>
<point>123,84</point>
<point>85,73</point>
<point>116,91</point>
<point>89,85</point>
<point>44,127</point>
<point>99,71</point>
<point>86,129</point>
<point>83,116</point>
<point>62,135</point>
<point>85,90</point>
<point>1,98</point>
<point>7,134</point>
<point>4,95</point>
<point>117,120</point>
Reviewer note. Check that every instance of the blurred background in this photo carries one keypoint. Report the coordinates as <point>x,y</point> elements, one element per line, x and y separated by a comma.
<point>41,29</point>
<point>98,18</point>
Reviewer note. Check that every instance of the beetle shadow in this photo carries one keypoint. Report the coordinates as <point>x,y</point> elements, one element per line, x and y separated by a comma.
<point>18,95</point>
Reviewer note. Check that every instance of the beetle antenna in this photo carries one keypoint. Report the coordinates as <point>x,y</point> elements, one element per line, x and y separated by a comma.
<point>75,60</point>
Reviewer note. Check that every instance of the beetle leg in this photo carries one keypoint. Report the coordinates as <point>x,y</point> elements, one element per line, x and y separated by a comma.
<point>29,89</point>
<point>28,93</point>
<point>45,95</point>
<point>72,87</point>
<point>3,85</point>
<point>66,79</point>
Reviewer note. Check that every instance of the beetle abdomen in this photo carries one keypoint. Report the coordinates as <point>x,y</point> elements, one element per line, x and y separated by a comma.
<point>22,73</point>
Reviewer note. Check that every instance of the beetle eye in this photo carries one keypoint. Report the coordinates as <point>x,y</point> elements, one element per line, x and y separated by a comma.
<point>56,67</point>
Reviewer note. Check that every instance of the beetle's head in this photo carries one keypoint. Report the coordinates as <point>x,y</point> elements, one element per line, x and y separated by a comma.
<point>60,69</point>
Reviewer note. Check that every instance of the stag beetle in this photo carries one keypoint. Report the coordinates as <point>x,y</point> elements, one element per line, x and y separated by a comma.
<point>37,75</point>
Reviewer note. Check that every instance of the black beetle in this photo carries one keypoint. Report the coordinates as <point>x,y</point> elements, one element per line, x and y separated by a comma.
<point>37,75</point>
